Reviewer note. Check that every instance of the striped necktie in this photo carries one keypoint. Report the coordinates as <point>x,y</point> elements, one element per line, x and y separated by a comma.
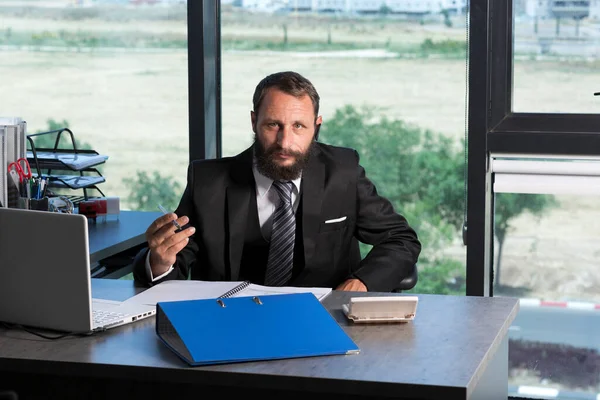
<point>281,250</point>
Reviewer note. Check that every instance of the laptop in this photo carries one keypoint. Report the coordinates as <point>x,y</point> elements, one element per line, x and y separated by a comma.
<point>45,275</point>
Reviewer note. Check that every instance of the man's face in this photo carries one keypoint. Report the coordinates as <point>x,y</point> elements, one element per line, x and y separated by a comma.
<point>284,129</point>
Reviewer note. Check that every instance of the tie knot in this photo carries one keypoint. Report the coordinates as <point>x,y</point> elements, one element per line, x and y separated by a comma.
<point>284,189</point>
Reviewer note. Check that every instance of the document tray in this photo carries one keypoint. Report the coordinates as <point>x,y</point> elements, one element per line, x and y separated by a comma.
<point>73,181</point>
<point>66,159</point>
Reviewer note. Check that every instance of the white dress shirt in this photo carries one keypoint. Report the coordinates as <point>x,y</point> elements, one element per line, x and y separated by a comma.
<point>267,200</point>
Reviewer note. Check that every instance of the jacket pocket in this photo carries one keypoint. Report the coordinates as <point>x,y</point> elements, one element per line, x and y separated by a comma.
<point>333,226</point>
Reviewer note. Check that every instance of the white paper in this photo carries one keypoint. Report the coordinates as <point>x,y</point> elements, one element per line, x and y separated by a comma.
<point>75,161</point>
<point>178,290</point>
<point>258,290</point>
<point>4,164</point>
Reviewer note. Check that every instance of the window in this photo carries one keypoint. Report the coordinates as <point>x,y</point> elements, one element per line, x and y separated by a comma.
<point>542,255</point>
<point>555,59</point>
<point>115,73</point>
<point>392,87</point>
<point>548,257</point>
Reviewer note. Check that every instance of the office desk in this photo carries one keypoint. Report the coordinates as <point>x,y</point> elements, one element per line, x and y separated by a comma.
<point>456,348</point>
<point>114,236</point>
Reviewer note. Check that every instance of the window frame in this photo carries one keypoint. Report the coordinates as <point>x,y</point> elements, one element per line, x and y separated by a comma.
<point>495,128</point>
<point>492,126</point>
<point>204,78</point>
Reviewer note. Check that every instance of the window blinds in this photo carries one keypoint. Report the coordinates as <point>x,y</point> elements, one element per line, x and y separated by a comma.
<point>545,174</point>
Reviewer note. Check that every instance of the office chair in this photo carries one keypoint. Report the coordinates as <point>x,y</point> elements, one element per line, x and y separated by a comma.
<point>8,395</point>
<point>409,282</point>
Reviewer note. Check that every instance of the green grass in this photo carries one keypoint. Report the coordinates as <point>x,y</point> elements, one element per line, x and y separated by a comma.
<point>92,39</point>
<point>81,39</point>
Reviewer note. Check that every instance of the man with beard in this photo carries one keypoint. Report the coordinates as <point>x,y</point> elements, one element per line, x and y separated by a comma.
<point>288,211</point>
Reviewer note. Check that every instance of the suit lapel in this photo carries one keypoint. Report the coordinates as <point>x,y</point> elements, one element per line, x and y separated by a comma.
<point>313,183</point>
<point>238,197</point>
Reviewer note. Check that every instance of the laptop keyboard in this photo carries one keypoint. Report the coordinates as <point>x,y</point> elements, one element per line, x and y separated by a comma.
<point>105,317</point>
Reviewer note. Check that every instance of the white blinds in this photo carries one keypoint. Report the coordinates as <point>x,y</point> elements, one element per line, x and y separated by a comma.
<point>544,174</point>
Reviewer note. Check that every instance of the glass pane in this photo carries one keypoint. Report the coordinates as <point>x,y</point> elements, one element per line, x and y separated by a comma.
<point>392,86</point>
<point>115,74</point>
<point>556,50</point>
<point>547,252</point>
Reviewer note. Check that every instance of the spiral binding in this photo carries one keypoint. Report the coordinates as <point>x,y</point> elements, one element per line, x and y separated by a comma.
<point>235,290</point>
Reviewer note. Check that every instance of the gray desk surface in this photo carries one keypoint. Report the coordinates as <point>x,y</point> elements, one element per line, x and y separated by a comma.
<point>447,347</point>
<point>114,236</point>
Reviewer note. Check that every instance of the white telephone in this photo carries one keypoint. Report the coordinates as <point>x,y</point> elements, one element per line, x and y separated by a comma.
<point>381,309</point>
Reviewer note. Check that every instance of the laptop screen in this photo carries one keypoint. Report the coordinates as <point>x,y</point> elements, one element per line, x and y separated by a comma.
<point>45,270</point>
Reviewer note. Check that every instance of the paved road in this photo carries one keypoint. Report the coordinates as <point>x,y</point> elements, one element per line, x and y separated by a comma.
<point>570,326</point>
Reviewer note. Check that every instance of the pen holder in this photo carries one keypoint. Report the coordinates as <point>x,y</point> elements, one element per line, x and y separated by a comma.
<point>33,204</point>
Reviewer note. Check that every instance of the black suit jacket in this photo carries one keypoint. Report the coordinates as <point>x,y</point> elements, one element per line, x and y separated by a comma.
<point>334,185</point>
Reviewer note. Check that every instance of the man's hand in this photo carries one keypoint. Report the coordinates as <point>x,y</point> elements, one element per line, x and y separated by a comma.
<point>164,243</point>
<point>352,285</point>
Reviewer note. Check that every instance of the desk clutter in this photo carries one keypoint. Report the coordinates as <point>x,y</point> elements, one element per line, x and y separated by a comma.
<point>48,178</point>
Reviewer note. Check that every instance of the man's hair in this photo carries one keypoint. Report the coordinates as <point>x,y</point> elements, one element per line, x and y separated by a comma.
<point>288,82</point>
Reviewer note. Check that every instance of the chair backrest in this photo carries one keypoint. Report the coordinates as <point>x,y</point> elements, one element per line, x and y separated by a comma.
<point>8,395</point>
<point>408,282</point>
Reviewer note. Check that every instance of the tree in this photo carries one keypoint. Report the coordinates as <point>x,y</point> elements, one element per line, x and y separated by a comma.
<point>422,174</point>
<point>148,191</point>
<point>399,158</point>
<point>509,205</point>
<point>385,10</point>
<point>47,141</point>
<point>447,20</point>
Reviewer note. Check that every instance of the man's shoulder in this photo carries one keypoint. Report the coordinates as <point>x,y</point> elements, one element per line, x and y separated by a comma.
<point>338,154</point>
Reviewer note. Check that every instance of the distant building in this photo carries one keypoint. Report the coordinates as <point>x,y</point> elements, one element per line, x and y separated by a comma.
<point>595,9</point>
<point>559,8</point>
<point>536,8</point>
<point>570,8</point>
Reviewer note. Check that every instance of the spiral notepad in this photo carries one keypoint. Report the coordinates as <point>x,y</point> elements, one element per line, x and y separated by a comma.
<point>235,290</point>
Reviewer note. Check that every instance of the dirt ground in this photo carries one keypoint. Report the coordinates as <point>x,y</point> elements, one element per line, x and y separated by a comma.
<point>133,106</point>
<point>557,256</point>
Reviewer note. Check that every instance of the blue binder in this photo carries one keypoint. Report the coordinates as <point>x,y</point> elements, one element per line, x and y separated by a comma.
<point>239,329</point>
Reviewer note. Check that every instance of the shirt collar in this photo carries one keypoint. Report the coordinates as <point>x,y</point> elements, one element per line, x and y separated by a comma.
<point>263,184</point>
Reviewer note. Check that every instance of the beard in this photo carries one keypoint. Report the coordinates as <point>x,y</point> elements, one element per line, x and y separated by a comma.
<point>266,164</point>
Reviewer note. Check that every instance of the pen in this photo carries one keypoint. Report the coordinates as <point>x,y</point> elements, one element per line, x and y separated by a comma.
<point>164,210</point>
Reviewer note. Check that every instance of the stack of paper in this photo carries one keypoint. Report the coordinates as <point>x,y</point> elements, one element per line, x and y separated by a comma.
<point>73,181</point>
<point>12,147</point>
<point>4,164</point>
<point>60,160</point>
<point>178,290</point>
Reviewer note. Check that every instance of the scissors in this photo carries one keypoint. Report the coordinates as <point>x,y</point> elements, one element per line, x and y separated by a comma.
<point>22,168</point>
<point>20,172</point>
